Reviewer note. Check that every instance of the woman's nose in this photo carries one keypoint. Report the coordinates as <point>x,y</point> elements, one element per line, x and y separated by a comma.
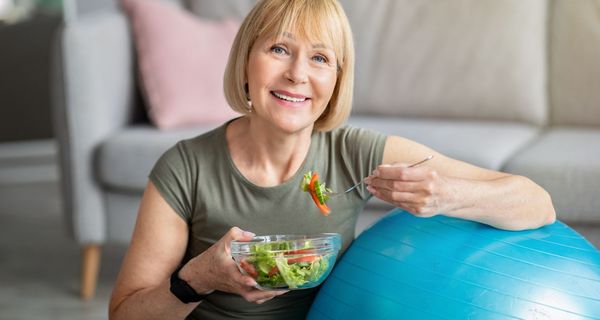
<point>297,71</point>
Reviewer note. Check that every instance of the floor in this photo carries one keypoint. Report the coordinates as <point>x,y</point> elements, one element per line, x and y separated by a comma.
<point>39,263</point>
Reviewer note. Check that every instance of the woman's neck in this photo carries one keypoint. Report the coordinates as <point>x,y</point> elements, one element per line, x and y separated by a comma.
<point>265,156</point>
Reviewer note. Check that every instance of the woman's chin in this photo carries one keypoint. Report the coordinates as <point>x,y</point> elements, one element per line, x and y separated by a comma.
<point>293,125</point>
<point>285,122</point>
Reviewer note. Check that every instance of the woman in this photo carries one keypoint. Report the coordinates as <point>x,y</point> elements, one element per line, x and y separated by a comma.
<point>290,72</point>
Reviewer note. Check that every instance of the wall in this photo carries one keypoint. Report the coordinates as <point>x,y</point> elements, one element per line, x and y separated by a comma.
<point>25,63</point>
<point>24,78</point>
<point>25,71</point>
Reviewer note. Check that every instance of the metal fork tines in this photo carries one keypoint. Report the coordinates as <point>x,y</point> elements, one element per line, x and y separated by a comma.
<point>335,194</point>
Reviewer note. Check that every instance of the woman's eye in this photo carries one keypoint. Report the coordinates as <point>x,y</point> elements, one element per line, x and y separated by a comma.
<point>319,59</point>
<point>278,50</point>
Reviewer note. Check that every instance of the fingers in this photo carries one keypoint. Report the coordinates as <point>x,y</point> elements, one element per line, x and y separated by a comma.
<point>244,285</point>
<point>413,203</point>
<point>401,199</point>
<point>397,197</point>
<point>401,172</point>
<point>402,179</point>
<point>243,280</point>
<point>394,185</point>
<point>259,296</point>
<point>217,264</point>
<point>413,189</point>
<point>236,233</point>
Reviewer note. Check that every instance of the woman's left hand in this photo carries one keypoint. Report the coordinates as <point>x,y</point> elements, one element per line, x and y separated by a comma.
<point>419,190</point>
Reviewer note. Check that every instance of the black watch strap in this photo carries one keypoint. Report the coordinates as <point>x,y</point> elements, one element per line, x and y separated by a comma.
<point>182,290</point>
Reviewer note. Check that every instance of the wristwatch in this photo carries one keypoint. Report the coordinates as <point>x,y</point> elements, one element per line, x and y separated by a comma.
<point>182,290</point>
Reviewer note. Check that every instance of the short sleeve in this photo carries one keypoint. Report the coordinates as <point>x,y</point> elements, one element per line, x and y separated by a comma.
<point>172,176</point>
<point>362,150</point>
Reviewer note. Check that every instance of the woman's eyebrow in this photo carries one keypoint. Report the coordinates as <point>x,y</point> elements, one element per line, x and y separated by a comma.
<point>316,46</point>
<point>321,46</point>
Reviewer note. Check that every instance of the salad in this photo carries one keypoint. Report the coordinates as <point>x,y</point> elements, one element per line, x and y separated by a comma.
<point>277,265</point>
<point>317,190</point>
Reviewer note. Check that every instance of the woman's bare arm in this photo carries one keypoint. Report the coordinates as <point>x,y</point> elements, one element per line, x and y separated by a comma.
<point>156,249</point>
<point>458,189</point>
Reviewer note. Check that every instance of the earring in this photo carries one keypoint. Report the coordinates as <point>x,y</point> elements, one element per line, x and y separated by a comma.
<point>250,108</point>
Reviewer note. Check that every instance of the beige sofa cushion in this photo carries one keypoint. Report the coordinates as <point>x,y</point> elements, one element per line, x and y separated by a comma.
<point>432,60</point>
<point>488,144</point>
<point>574,67</point>
<point>563,161</point>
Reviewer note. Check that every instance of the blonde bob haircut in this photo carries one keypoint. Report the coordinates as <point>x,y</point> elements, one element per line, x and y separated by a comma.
<point>315,20</point>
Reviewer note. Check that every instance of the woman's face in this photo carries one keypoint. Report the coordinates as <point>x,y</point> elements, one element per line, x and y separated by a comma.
<point>290,81</point>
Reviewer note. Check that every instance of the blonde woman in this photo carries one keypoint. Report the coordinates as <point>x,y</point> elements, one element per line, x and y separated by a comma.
<point>290,72</point>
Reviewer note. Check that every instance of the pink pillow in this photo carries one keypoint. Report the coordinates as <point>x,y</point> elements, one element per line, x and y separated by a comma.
<point>181,60</point>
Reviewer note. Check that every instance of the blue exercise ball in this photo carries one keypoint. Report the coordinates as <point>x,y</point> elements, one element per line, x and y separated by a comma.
<point>405,267</point>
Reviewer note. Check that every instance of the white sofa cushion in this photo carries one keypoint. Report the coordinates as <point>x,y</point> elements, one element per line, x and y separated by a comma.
<point>431,59</point>
<point>565,162</point>
<point>574,67</point>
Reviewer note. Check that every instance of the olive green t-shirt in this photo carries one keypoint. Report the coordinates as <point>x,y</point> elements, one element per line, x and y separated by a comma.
<point>199,180</point>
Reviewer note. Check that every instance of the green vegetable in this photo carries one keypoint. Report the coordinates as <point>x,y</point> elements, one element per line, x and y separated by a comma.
<point>305,183</point>
<point>322,192</point>
<point>317,190</point>
<point>278,266</point>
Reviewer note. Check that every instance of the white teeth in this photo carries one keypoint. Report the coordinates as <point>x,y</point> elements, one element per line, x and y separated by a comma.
<point>284,97</point>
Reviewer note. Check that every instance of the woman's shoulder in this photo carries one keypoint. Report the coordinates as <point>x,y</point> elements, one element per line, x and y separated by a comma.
<point>349,133</point>
<point>205,144</point>
<point>208,139</point>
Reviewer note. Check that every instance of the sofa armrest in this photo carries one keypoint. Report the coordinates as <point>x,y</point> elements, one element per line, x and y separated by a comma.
<point>93,84</point>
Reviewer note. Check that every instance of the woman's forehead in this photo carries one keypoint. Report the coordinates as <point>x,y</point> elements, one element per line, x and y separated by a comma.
<point>317,42</point>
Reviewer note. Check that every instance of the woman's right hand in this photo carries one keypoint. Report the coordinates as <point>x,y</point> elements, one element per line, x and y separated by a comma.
<point>214,269</point>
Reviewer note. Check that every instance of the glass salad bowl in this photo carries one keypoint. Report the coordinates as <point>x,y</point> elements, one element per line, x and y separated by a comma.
<point>287,261</point>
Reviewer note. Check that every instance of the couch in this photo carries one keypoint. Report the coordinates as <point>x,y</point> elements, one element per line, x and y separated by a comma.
<point>509,85</point>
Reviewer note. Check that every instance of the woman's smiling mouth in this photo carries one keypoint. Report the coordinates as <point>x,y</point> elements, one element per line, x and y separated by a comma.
<point>289,97</point>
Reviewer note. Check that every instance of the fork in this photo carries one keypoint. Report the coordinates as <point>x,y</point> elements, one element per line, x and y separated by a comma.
<point>335,194</point>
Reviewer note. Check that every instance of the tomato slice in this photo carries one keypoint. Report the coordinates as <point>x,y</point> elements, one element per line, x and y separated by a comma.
<point>310,258</point>
<point>249,268</point>
<point>311,189</point>
<point>273,271</point>
<point>323,207</point>
<point>301,251</point>
<point>308,255</point>
<point>313,179</point>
